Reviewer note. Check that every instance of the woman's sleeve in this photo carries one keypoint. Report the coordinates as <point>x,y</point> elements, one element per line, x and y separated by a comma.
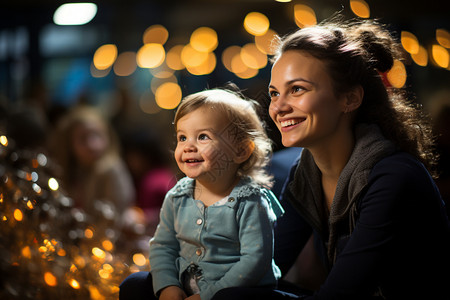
<point>256,242</point>
<point>164,249</point>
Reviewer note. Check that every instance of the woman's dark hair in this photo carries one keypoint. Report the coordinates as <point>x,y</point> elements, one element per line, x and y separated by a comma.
<point>357,53</point>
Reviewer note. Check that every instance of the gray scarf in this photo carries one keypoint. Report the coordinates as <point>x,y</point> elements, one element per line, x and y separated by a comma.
<point>370,147</point>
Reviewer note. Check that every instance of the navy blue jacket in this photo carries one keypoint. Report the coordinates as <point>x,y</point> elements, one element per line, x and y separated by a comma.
<point>400,245</point>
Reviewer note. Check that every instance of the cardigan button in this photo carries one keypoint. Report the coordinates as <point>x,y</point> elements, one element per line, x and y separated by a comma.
<point>198,252</point>
<point>199,221</point>
<point>231,199</point>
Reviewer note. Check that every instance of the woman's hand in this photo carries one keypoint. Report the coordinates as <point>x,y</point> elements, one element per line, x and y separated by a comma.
<point>172,293</point>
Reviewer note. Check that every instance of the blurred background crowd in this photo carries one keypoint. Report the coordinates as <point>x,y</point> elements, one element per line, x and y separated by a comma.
<point>87,97</point>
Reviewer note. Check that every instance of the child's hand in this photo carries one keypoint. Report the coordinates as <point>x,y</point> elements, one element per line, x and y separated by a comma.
<point>194,297</point>
<point>172,293</point>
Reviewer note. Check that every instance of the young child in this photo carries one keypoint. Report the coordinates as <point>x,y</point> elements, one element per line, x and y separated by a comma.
<point>216,224</point>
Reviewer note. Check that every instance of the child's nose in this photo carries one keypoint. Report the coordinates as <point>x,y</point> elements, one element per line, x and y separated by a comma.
<point>190,147</point>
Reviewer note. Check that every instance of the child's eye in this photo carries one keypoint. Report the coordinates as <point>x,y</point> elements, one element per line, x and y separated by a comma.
<point>203,137</point>
<point>181,138</point>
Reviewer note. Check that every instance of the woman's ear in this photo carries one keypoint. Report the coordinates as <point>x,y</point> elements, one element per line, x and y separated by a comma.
<point>246,149</point>
<point>353,99</point>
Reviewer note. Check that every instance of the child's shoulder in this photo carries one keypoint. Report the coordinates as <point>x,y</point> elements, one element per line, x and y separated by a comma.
<point>184,186</point>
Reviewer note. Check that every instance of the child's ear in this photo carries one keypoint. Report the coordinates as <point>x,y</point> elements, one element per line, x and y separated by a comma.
<point>246,149</point>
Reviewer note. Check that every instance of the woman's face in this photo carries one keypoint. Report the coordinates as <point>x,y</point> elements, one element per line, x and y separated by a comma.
<point>90,141</point>
<point>303,103</point>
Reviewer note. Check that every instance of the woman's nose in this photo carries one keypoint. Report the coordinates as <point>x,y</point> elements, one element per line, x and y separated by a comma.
<point>279,106</point>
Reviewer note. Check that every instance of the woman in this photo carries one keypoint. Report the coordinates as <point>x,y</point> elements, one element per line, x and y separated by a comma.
<point>361,186</point>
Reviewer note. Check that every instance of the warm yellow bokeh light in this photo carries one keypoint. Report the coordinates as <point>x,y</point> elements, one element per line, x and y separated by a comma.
<point>139,259</point>
<point>53,184</point>
<point>18,215</point>
<point>4,140</point>
<point>108,245</point>
<point>360,8</point>
<point>443,37</point>
<point>191,57</point>
<point>26,252</point>
<point>266,43</point>
<point>50,279</point>
<point>256,23</point>
<point>206,67</point>
<point>421,57</point>
<point>204,39</point>
<point>440,56</point>
<point>409,42</point>
<point>228,54</point>
<point>74,284</point>
<point>156,34</point>
<point>252,57</point>
<point>283,1</point>
<point>237,65</point>
<point>125,64</point>
<point>248,73</point>
<point>173,58</point>
<point>88,233</point>
<point>150,55</point>
<point>304,16</point>
<point>168,95</point>
<point>105,56</point>
<point>99,253</point>
<point>397,74</point>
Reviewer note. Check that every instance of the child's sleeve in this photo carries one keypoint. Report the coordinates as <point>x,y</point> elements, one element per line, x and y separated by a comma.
<point>255,218</point>
<point>164,249</point>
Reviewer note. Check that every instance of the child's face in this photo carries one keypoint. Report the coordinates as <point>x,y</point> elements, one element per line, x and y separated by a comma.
<point>206,146</point>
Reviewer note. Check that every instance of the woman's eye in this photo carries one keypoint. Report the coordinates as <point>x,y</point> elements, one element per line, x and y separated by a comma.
<point>273,94</point>
<point>296,89</point>
<point>203,137</point>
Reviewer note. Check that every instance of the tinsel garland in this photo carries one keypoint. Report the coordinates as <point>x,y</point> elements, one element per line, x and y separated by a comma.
<point>50,249</point>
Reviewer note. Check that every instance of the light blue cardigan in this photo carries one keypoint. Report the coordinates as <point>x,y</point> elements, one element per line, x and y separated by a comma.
<point>232,244</point>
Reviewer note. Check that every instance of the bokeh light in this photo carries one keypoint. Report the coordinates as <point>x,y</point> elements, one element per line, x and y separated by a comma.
<point>74,13</point>
<point>53,184</point>
<point>397,74</point>
<point>168,95</point>
<point>252,57</point>
<point>105,56</point>
<point>162,71</point>
<point>360,8</point>
<point>156,82</point>
<point>256,23</point>
<point>443,37</point>
<point>247,73</point>
<point>173,58</point>
<point>156,34</point>
<point>50,279</point>
<point>206,67</point>
<point>125,64</point>
<point>304,16</point>
<point>228,54</point>
<point>139,259</point>
<point>266,43</point>
<point>150,55</point>
<point>409,42</point>
<point>191,57</point>
<point>421,57</point>
<point>440,56</point>
<point>204,39</point>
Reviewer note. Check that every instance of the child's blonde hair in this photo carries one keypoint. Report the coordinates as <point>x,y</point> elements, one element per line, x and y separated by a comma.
<point>244,125</point>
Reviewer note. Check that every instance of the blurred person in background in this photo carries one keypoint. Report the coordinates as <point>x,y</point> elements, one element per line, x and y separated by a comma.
<point>92,170</point>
